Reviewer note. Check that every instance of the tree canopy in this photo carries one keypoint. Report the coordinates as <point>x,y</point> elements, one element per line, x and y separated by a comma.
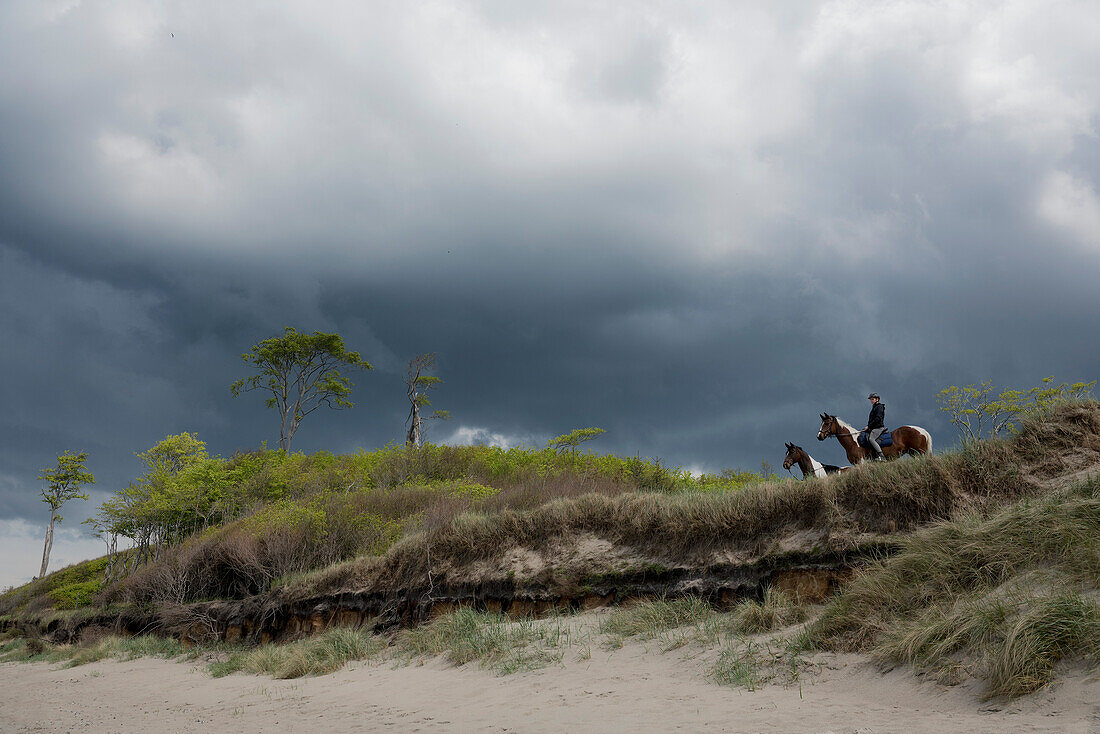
<point>301,371</point>
<point>570,441</point>
<point>980,411</point>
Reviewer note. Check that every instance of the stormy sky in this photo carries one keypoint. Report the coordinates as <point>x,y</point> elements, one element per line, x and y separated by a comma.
<point>696,225</point>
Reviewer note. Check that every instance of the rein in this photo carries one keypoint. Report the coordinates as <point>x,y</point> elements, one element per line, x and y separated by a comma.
<point>853,434</point>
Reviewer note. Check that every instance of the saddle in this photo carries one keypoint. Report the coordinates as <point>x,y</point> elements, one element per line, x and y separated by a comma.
<point>883,441</point>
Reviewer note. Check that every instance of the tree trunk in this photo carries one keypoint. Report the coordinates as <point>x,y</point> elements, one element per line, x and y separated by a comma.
<point>284,438</point>
<point>48,546</point>
<point>413,438</point>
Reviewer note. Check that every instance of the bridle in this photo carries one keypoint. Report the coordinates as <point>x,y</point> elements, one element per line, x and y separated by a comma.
<point>788,466</point>
<point>838,433</point>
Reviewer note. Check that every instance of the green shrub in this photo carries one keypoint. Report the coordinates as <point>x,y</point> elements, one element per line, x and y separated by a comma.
<point>75,595</point>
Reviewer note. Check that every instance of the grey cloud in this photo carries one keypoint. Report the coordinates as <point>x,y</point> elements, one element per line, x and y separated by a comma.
<point>695,229</point>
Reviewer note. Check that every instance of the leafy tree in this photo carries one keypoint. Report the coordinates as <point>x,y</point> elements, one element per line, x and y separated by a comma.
<point>979,411</point>
<point>570,441</point>
<point>172,454</point>
<point>63,484</point>
<point>417,385</point>
<point>300,372</point>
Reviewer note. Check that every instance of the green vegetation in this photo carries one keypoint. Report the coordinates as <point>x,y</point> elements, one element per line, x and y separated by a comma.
<point>495,641</point>
<point>752,663</point>
<point>301,371</point>
<point>777,611</point>
<point>570,441</point>
<point>67,588</point>
<point>208,527</point>
<point>994,572</point>
<point>848,509</point>
<point>690,619</point>
<point>649,620</point>
<point>980,411</point>
<point>122,648</point>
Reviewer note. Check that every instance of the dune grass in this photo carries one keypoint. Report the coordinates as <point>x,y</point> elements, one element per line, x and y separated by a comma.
<point>648,620</point>
<point>121,648</point>
<point>751,663</point>
<point>1003,598</point>
<point>324,653</point>
<point>496,642</point>
<point>691,620</point>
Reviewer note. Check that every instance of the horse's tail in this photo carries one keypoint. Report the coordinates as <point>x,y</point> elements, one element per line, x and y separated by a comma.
<point>927,437</point>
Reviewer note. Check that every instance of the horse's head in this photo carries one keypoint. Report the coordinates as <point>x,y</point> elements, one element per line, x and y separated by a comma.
<point>829,427</point>
<point>793,455</point>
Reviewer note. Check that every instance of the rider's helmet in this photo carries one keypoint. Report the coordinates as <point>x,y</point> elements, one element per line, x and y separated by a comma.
<point>873,395</point>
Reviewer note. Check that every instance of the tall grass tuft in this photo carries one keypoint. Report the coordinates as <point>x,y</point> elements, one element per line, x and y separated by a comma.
<point>498,643</point>
<point>1056,626</point>
<point>325,653</point>
<point>648,620</point>
<point>778,610</point>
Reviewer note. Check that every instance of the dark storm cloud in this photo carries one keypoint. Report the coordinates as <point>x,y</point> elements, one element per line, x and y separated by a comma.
<point>695,228</point>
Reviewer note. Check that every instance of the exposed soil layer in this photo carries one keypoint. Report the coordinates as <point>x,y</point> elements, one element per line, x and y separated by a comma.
<point>810,577</point>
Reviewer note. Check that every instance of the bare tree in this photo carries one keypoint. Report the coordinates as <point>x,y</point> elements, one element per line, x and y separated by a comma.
<point>417,385</point>
<point>63,484</point>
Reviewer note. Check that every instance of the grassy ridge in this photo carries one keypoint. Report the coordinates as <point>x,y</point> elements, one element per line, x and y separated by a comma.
<point>325,515</point>
<point>868,500</point>
<point>236,527</point>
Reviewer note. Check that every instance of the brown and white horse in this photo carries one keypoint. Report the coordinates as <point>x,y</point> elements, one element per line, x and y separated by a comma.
<point>810,466</point>
<point>907,440</point>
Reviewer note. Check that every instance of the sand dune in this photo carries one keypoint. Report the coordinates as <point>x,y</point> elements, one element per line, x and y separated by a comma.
<point>633,689</point>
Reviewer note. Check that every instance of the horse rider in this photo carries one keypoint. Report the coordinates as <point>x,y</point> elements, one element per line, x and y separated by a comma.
<point>876,424</point>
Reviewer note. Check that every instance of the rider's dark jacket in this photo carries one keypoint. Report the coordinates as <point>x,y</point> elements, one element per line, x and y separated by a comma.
<point>877,418</point>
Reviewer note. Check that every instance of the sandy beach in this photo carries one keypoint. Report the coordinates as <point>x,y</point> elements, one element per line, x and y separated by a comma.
<point>635,688</point>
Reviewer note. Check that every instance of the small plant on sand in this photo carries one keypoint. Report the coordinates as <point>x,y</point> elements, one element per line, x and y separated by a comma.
<point>648,620</point>
<point>778,610</point>
<point>500,644</point>
<point>749,663</point>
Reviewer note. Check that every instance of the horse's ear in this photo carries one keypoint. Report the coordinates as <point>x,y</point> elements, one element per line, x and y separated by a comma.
<point>788,445</point>
<point>823,416</point>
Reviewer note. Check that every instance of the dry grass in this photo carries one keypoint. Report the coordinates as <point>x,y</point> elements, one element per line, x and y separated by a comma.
<point>325,653</point>
<point>122,648</point>
<point>1060,439</point>
<point>777,611</point>
<point>648,620</point>
<point>1003,598</point>
<point>496,642</point>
